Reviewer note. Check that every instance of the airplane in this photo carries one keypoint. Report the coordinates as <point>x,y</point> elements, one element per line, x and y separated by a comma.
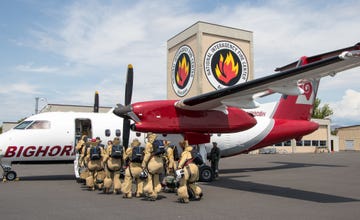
<point>243,123</point>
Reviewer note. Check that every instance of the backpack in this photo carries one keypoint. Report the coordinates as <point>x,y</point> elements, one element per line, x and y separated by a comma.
<point>196,157</point>
<point>175,152</point>
<point>137,155</point>
<point>95,153</point>
<point>158,147</point>
<point>116,151</point>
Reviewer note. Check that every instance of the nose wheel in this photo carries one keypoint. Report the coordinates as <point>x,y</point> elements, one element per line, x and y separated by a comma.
<point>8,174</point>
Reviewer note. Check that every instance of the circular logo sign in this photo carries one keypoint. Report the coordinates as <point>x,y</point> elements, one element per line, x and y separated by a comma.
<point>183,70</point>
<point>225,65</point>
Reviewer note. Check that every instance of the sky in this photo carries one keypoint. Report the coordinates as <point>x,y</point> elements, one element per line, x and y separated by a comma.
<point>63,51</point>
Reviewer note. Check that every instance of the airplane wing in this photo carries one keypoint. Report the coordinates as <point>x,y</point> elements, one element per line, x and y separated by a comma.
<point>287,82</point>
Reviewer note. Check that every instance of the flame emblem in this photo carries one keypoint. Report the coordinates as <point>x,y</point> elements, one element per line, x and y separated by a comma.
<point>307,87</point>
<point>227,69</point>
<point>182,72</point>
<point>225,65</point>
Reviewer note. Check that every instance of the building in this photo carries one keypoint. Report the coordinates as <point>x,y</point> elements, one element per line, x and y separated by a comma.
<point>320,140</point>
<point>195,54</point>
<point>349,138</point>
<point>72,108</point>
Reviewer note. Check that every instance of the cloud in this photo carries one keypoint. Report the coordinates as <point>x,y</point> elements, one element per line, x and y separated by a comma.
<point>21,87</point>
<point>39,69</point>
<point>91,43</point>
<point>348,108</point>
<point>108,34</point>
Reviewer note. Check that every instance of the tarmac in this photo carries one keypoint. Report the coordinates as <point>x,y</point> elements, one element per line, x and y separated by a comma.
<point>273,186</point>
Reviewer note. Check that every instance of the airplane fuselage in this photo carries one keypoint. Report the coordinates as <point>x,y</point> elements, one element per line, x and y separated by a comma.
<point>57,143</point>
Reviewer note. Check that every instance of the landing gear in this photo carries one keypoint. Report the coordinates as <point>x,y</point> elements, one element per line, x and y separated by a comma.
<point>8,174</point>
<point>205,173</point>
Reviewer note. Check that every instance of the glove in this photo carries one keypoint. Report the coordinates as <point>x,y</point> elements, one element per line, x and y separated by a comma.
<point>179,174</point>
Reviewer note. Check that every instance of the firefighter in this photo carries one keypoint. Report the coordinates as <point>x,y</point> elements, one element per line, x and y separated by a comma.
<point>153,163</point>
<point>113,161</point>
<point>187,174</point>
<point>134,155</point>
<point>80,147</point>
<point>169,158</point>
<point>170,164</point>
<point>214,159</point>
<point>94,158</point>
<point>79,160</point>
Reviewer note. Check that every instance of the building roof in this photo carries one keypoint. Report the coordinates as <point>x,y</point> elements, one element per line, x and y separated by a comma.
<point>72,108</point>
<point>345,127</point>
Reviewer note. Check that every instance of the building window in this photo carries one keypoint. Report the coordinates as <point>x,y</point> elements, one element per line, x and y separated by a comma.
<point>287,143</point>
<point>315,143</point>
<point>307,143</point>
<point>322,143</point>
<point>299,143</point>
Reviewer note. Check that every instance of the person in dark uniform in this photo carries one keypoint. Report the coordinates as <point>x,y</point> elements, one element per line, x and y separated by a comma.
<point>214,159</point>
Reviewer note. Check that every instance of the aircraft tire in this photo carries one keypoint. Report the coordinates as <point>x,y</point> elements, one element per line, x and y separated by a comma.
<point>205,174</point>
<point>10,175</point>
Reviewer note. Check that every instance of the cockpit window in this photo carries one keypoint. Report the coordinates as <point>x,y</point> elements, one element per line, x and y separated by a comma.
<point>39,125</point>
<point>23,125</point>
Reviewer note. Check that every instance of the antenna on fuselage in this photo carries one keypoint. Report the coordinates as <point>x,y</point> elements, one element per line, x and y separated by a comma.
<point>96,102</point>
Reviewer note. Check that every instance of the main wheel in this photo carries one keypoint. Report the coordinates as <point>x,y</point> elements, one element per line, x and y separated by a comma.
<point>205,174</point>
<point>10,175</point>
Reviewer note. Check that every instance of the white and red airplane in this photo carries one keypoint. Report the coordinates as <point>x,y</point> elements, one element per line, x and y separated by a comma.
<point>244,124</point>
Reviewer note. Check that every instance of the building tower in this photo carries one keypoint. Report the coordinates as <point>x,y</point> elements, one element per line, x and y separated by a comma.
<point>205,57</point>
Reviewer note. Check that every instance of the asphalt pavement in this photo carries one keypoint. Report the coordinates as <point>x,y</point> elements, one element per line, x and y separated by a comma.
<point>279,186</point>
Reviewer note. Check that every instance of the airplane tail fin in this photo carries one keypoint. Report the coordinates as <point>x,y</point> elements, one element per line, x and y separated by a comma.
<point>298,107</point>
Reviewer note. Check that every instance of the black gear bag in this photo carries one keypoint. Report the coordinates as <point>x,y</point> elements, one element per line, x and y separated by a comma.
<point>137,154</point>
<point>116,151</point>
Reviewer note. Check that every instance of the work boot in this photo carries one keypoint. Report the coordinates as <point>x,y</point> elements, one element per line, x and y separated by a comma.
<point>127,196</point>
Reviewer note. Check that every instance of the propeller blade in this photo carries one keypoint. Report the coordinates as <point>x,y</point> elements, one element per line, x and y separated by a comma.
<point>126,133</point>
<point>126,111</point>
<point>129,84</point>
<point>96,102</point>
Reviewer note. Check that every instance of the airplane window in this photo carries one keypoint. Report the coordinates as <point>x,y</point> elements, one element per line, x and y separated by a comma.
<point>23,125</point>
<point>117,132</point>
<point>107,132</point>
<point>39,125</point>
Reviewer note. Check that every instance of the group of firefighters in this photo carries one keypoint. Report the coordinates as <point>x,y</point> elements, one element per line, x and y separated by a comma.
<point>152,168</point>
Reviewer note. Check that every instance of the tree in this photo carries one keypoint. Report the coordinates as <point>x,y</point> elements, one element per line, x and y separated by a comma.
<point>323,112</point>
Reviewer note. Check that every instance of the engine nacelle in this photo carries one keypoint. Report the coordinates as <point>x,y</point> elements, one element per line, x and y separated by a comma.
<point>164,117</point>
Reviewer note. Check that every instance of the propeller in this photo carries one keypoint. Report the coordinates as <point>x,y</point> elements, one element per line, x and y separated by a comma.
<point>96,102</point>
<point>126,111</point>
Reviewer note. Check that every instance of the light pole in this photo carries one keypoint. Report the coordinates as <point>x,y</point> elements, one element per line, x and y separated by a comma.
<point>37,99</point>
